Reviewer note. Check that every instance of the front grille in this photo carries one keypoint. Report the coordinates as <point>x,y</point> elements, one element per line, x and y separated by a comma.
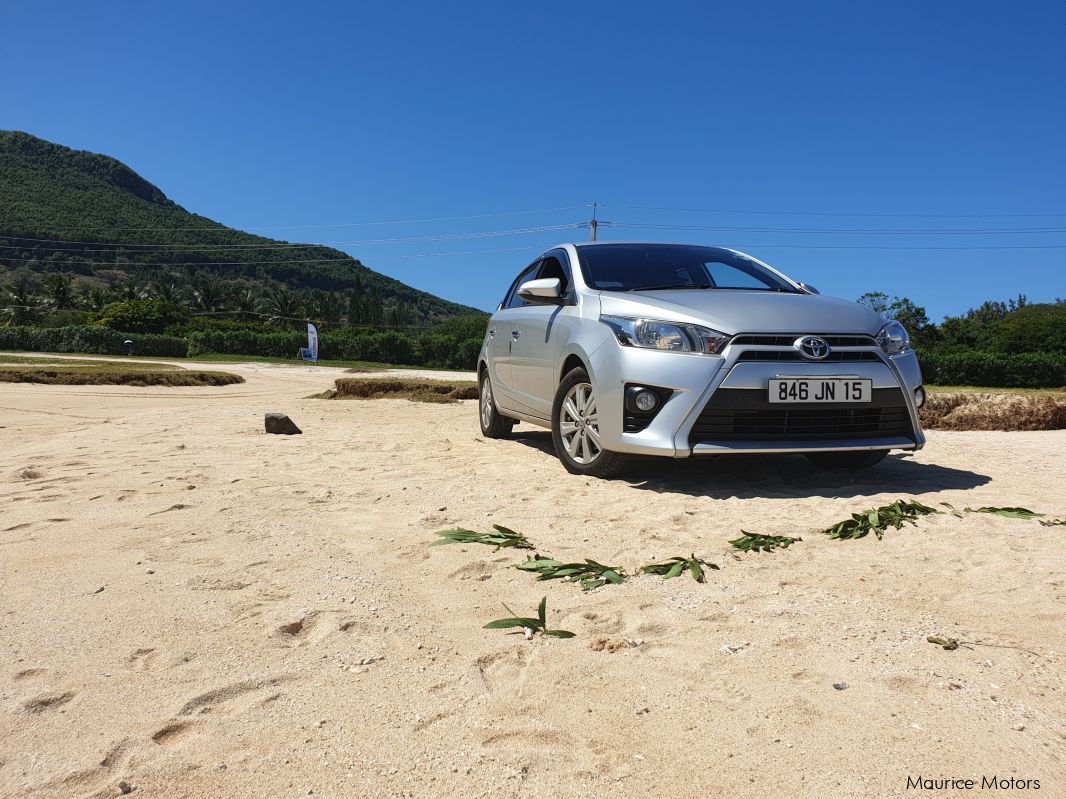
<point>792,355</point>
<point>747,415</point>
<point>776,340</point>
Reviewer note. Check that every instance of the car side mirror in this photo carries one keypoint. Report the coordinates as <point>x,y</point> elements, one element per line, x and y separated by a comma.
<point>809,289</point>
<point>545,291</point>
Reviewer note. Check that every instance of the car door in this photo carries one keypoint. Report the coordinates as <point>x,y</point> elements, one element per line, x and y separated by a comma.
<point>502,328</point>
<point>536,344</point>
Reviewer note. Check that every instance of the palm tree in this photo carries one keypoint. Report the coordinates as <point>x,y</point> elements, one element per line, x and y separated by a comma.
<point>283,306</point>
<point>208,294</point>
<point>59,292</point>
<point>163,291</point>
<point>130,290</point>
<point>245,302</point>
<point>323,307</point>
<point>94,299</point>
<point>19,306</point>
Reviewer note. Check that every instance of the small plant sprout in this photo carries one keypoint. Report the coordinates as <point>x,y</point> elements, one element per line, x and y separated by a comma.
<point>589,574</point>
<point>502,538</point>
<point>671,568</point>
<point>529,626</point>
<point>877,520</point>
<point>756,542</point>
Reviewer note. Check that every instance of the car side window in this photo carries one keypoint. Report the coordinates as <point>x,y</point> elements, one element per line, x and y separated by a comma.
<point>556,264</point>
<point>512,300</point>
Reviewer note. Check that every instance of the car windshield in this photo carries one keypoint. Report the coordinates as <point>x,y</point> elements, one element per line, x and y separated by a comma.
<point>650,267</point>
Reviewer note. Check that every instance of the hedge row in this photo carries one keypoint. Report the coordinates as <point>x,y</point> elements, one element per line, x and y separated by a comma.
<point>975,368</point>
<point>960,368</point>
<point>385,347</point>
<point>91,339</point>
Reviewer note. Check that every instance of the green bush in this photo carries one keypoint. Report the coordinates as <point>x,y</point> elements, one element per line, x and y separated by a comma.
<point>429,349</point>
<point>1032,328</point>
<point>142,316</point>
<point>247,342</point>
<point>464,327</point>
<point>92,339</point>
<point>993,369</point>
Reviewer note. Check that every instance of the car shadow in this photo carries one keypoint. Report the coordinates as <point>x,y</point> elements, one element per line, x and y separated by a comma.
<point>776,476</point>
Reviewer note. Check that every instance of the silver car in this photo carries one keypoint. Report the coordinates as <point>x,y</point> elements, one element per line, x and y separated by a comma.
<point>680,350</point>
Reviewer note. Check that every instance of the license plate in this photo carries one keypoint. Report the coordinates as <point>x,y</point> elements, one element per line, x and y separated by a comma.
<point>791,389</point>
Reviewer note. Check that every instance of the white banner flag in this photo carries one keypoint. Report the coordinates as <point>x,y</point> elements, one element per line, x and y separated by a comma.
<point>312,341</point>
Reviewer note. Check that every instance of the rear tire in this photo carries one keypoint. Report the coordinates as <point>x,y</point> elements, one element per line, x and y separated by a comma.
<point>493,423</point>
<point>575,429</point>
<point>857,459</point>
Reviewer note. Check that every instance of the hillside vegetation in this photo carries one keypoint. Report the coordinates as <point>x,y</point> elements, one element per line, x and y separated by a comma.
<point>81,231</point>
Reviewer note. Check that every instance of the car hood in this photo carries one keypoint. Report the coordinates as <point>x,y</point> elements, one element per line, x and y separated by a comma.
<point>736,311</point>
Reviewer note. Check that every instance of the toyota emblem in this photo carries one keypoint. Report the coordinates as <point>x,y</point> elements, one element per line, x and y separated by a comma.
<point>813,348</point>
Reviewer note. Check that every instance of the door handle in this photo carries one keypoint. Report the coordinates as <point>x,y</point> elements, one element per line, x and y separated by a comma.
<point>515,334</point>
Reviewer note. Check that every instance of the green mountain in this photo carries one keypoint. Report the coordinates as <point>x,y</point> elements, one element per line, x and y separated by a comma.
<point>118,237</point>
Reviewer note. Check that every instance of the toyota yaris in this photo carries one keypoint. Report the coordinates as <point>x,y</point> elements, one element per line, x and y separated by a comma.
<point>680,350</point>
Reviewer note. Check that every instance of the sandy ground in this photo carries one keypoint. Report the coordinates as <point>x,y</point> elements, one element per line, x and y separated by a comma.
<point>190,606</point>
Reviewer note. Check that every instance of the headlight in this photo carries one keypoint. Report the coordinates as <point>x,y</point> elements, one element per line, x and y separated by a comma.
<point>893,338</point>
<point>668,336</point>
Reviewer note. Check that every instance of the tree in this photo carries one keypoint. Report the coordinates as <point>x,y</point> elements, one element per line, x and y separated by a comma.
<point>284,307</point>
<point>245,302</point>
<point>59,292</point>
<point>977,328</point>
<point>208,294</point>
<point>20,307</point>
<point>142,316</point>
<point>1032,328</point>
<point>913,317</point>
<point>167,292</point>
<point>94,298</point>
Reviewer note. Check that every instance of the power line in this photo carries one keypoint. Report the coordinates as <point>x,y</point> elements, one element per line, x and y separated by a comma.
<point>282,262</point>
<point>903,247</point>
<point>847,231</point>
<point>219,227</point>
<point>287,246</point>
<point>148,247</point>
<point>829,213</point>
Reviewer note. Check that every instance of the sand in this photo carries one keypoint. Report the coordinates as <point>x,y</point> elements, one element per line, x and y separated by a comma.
<point>192,608</point>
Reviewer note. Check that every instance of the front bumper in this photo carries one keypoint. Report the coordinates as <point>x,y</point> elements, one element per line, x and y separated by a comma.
<point>718,403</point>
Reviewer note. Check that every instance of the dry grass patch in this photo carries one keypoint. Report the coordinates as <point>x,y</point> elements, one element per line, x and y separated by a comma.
<point>972,410</point>
<point>414,389</point>
<point>108,373</point>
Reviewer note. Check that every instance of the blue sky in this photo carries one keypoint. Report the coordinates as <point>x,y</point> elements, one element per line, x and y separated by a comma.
<point>283,118</point>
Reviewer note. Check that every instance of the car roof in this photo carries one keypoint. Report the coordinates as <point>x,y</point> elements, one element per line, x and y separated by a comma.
<point>581,244</point>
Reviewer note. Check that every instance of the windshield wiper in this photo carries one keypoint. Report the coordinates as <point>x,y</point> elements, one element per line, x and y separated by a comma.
<point>674,286</point>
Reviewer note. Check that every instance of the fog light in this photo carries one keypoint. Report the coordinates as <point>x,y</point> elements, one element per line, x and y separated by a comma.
<point>645,401</point>
<point>919,397</point>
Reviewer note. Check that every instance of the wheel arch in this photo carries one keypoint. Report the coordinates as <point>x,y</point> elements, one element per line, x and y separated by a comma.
<point>573,360</point>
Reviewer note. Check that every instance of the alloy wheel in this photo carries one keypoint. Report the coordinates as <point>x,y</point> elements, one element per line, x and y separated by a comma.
<point>579,424</point>
<point>487,407</point>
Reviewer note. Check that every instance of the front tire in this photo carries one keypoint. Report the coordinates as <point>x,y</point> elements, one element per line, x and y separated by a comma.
<point>576,429</point>
<point>856,459</point>
<point>493,423</point>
